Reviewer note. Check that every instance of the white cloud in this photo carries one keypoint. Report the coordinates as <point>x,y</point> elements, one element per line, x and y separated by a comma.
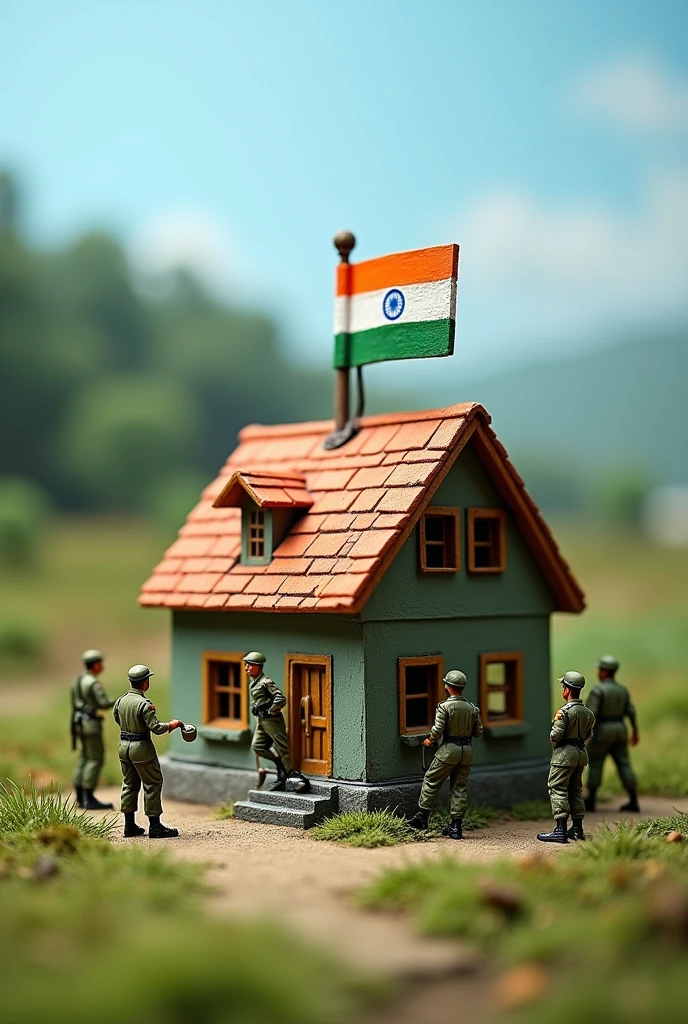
<point>186,239</point>
<point>634,94</point>
<point>582,263</point>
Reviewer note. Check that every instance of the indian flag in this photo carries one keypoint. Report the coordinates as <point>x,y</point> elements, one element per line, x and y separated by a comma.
<point>401,306</point>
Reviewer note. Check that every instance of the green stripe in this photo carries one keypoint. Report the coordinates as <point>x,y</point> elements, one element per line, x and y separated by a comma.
<point>395,341</point>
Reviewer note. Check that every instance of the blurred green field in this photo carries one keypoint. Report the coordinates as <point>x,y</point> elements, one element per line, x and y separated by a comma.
<point>85,595</point>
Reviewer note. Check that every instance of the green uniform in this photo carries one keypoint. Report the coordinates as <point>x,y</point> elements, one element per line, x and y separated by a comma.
<point>457,721</point>
<point>271,732</point>
<point>88,699</point>
<point>136,717</point>
<point>611,704</point>
<point>572,726</point>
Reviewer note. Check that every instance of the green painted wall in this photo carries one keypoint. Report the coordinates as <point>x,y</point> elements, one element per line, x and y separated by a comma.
<point>405,593</point>
<point>460,643</point>
<point>275,635</point>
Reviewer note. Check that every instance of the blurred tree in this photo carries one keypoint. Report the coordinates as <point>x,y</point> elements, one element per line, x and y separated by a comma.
<point>24,515</point>
<point>9,202</point>
<point>124,436</point>
<point>106,392</point>
<point>173,498</point>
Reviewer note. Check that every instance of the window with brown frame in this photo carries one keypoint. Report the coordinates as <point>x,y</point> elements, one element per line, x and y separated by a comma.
<point>501,688</point>
<point>439,540</point>
<point>420,690</point>
<point>225,691</point>
<point>486,540</point>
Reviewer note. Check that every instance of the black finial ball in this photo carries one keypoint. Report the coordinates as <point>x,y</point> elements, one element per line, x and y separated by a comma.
<point>344,242</point>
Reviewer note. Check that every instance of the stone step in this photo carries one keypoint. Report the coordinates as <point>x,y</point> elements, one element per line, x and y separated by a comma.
<point>273,814</point>
<point>297,801</point>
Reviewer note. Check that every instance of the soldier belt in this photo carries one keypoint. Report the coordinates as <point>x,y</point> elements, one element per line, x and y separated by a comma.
<point>460,741</point>
<point>573,743</point>
<point>133,737</point>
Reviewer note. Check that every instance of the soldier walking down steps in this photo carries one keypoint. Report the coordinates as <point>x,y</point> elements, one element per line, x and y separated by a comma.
<point>89,699</point>
<point>611,704</point>
<point>270,739</point>
<point>572,726</point>
<point>136,717</point>
<point>457,721</point>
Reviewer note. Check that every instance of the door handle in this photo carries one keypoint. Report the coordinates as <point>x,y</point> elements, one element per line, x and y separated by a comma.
<point>306,713</point>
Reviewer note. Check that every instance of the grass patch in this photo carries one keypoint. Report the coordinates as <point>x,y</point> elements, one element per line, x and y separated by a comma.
<point>625,891</point>
<point>25,813</point>
<point>383,828</point>
<point>367,829</point>
<point>677,822</point>
<point>224,811</point>
<point>78,911</point>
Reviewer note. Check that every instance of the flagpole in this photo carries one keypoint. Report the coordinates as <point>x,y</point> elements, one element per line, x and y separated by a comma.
<point>344,429</point>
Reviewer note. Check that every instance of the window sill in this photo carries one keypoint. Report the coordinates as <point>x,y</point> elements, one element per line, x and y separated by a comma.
<point>213,733</point>
<point>506,730</point>
<point>414,739</point>
<point>486,569</point>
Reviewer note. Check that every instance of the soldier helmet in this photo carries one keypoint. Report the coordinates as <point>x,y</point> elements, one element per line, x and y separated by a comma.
<point>609,662</point>
<point>255,658</point>
<point>92,655</point>
<point>455,678</point>
<point>574,680</point>
<point>139,673</point>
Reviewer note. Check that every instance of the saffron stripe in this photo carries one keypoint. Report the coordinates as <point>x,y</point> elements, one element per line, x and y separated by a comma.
<point>398,269</point>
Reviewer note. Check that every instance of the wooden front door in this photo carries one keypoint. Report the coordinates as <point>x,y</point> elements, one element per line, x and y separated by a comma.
<point>310,712</point>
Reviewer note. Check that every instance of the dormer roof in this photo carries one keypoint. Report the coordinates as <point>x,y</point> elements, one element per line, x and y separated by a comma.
<point>268,490</point>
<point>366,500</point>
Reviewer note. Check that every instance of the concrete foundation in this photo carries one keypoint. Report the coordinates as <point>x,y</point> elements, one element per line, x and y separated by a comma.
<point>497,786</point>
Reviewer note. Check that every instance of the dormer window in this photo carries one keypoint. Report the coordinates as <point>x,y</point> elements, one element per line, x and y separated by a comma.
<point>269,505</point>
<point>256,535</point>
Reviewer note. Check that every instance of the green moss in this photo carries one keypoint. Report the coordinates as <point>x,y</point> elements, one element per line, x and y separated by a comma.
<point>225,811</point>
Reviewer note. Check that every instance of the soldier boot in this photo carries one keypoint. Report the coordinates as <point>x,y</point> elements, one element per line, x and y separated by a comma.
<point>632,804</point>
<point>91,803</point>
<point>557,835</point>
<point>79,790</point>
<point>419,819</point>
<point>131,829</point>
<point>454,831</point>
<point>298,783</point>
<point>281,775</point>
<point>156,829</point>
<point>576,830</point>
<point>591,798</point>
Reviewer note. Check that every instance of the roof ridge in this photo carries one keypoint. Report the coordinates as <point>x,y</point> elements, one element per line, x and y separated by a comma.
<point>255,431</point>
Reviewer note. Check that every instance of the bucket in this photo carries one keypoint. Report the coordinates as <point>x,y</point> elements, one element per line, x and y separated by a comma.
<point>189,733</point>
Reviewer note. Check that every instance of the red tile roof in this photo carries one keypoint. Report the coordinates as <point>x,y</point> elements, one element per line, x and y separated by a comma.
<point>362,500</point>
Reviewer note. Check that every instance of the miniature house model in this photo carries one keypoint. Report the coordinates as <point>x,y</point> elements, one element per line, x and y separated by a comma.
<point>363,574</point>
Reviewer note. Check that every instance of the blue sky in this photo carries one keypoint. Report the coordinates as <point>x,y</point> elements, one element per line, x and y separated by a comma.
<point>549,140</point>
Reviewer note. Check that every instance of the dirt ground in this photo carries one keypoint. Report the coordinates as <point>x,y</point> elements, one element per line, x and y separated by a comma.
<point>282,873</point>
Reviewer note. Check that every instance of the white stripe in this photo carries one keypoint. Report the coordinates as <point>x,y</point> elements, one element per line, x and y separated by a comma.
<point>434,300</point>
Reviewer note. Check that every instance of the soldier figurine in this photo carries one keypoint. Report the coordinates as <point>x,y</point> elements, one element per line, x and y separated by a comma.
<point>136,717</point>
<point>457,721</point>
<point>572,726</point>
<point>88,700</point>
<point>267,702</point>
<point>611,704</point>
